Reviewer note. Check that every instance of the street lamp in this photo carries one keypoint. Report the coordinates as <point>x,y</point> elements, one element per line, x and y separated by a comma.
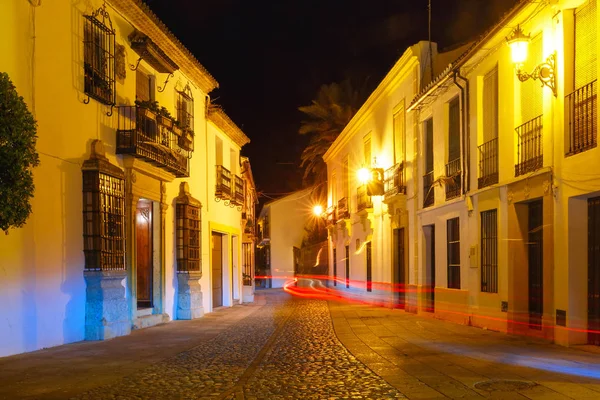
<point>318,210</point>
<point>545,71</point>
<point>364,175</point>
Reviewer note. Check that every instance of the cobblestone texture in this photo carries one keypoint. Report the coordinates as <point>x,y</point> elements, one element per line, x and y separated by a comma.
<point>286,350</point>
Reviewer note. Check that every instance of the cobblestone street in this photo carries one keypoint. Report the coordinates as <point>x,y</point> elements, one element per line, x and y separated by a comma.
<point>284,347</point>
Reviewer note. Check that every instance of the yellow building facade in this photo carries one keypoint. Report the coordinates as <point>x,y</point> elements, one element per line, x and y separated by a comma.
<point>126,199</point>
<point>501,190</point>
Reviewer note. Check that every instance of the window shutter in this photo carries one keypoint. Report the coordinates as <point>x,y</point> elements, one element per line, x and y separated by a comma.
<point>490,105</point>
<point>142,86</point>
<point>585,44</point>
<point>454,130</point>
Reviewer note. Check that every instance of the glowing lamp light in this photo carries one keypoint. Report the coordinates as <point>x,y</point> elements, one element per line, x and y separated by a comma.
<point>364,175</point>
<point>318,210</point>
<point>544,71</point>
<point>518,42</point>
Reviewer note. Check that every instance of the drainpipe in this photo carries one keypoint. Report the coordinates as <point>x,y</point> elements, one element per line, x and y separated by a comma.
<point>466,138</point>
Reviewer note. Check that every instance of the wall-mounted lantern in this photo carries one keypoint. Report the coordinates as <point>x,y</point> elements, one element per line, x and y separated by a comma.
<point>545,71</point>
<point>188,231</point>
<point>373,178</point>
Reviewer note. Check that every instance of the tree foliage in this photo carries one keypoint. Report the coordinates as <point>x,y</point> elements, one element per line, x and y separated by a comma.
<point>18,156</point>
<point>325,118</point>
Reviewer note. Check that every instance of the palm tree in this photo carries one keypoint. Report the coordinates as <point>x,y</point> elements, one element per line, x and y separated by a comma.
<point>324,119</point>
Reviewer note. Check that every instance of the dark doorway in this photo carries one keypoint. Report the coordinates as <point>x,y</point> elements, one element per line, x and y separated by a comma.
<point>369,268</point>
<point>347,266</point>
<point>535,245</point>
<point>594,270</point>
<point>143,238</point>
<point>217,269</point>
<point>399,270</point>
<point>429,232</point>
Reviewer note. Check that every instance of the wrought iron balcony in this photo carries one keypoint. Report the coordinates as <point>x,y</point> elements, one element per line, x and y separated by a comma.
<point>582,115</point>
<point>343,212</point>
<point>223,186</point>
<point>488,163</point>
<point>453,179</point>
<point>428,190</point>
<point>363,200</point>
<point>331,215</point>
<point>143,134</point>
<point>530,151</point>
<point>394,181</point>
<point>238,195</point>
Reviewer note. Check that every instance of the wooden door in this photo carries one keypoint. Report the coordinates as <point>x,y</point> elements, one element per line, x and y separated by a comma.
<point>399,269</point>
<point>369,268</point>
<point>143,236</point>
<point>217,269</point>
<point>536,264</point>
<point>430,268</point>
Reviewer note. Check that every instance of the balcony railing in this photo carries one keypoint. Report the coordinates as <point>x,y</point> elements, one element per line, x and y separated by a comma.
<point>581,115</point>
<point>394,181</point>
<point>223,186</point>
<point>428,190</point>
<point>363,200</point>
<point>141,134</point>
<point>343,211</point>
<point>488,163</point>
<point>530,152</point>
<point>331,215</point>
<point>453,181</point>
<point>238,195</point>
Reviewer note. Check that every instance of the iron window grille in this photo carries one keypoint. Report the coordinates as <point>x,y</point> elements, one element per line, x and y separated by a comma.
<point>453,181</point>
<point>582,114</point>
<point>530,152</point>
<point>453,252</point>
<point>185,108</point>
<point>187,216</point>
<point>394,181</point>
<point>343,211</point>
<point>488,163</point>
<point>331,215</point>
<point>99,58</point>
<point>247,274</point>
<point>238,195</point>
<point>363,200</point>
<point>428,190</point>
<point>139,134</point>
<point>489,251</point>
<point>223,186</point>
<point>103,213</point>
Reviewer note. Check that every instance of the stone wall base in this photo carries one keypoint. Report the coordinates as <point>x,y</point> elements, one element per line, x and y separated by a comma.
<point>106,308</point>
<point>189,296</point>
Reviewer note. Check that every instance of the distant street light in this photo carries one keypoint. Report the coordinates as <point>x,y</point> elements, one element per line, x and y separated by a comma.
<point>318,210</point>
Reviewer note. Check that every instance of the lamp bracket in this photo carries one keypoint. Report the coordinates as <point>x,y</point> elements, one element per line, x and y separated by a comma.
<point>545,72</point>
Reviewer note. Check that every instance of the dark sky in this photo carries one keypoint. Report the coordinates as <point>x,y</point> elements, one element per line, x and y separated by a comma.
<point>271,56</point>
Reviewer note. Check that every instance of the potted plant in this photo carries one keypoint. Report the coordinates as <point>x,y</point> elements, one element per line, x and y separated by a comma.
<point>177,127</point>
<point>150,108</point>
<point>164,117</point>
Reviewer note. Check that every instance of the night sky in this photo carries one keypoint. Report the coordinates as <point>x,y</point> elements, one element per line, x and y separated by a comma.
<point>271,56</point>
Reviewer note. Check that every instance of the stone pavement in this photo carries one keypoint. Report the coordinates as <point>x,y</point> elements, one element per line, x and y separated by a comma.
<point>294,348</point>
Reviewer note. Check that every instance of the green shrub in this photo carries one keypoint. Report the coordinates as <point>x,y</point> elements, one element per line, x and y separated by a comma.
<point>17,156</point>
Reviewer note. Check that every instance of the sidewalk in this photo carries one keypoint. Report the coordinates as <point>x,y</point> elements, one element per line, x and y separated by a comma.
<point>64,371</point>
<point>426,358</point>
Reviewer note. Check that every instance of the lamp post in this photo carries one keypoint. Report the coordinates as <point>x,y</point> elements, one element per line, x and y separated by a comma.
<point>545,71</point>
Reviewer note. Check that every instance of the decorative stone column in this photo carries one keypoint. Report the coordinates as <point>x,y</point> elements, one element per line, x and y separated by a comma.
<point>189,296</point>
<point>106,310</point>
<point>189,265</point>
